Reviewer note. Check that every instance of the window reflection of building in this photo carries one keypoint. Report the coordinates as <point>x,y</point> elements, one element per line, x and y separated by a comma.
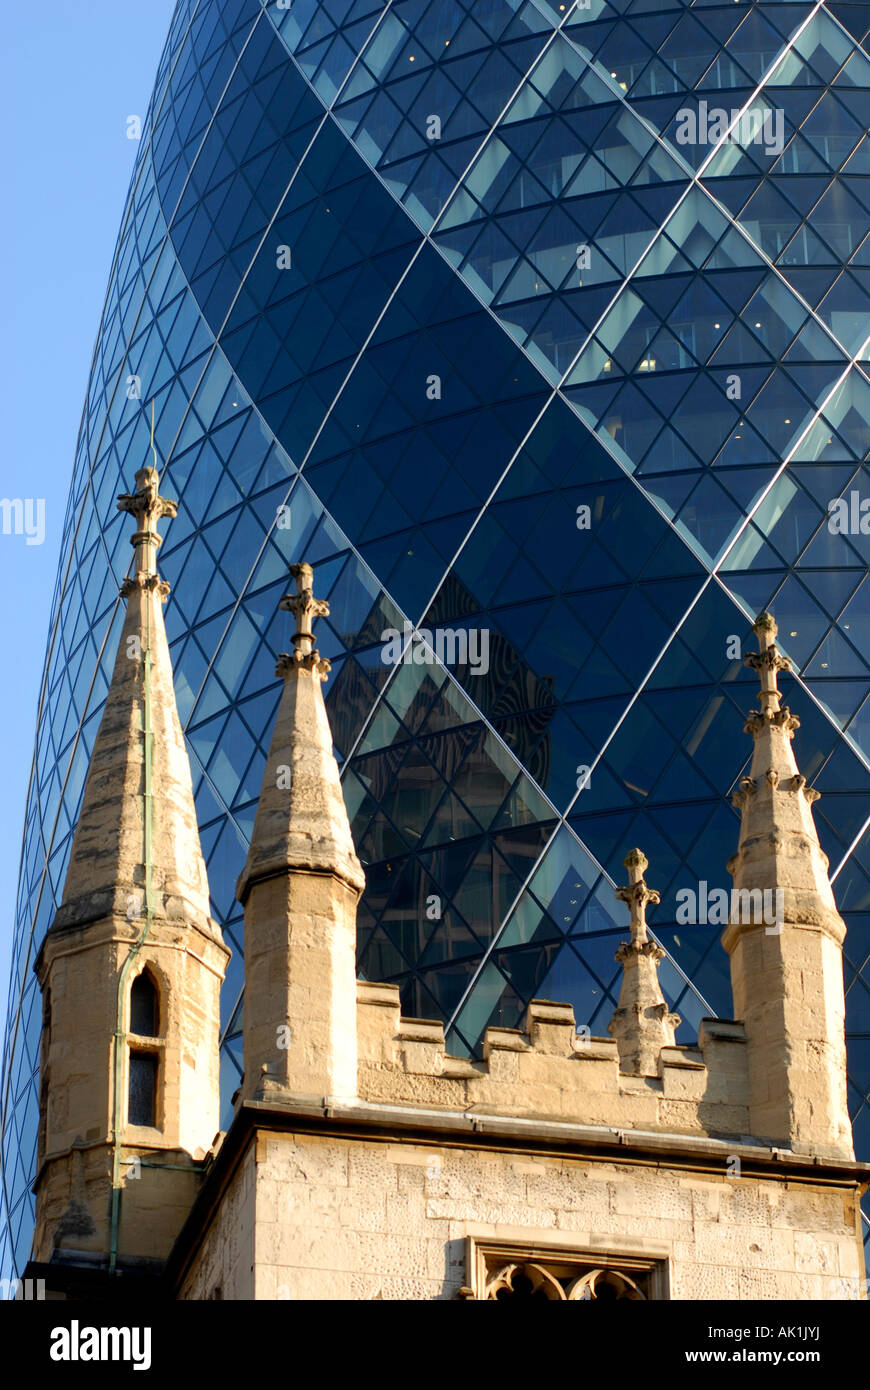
<point>433,793</point>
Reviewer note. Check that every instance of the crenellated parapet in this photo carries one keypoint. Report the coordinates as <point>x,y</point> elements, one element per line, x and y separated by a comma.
<point>778,1075</point>
<point>549,1070</point>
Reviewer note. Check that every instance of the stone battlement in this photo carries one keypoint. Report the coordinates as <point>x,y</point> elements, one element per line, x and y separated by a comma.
<point>547,1071</point>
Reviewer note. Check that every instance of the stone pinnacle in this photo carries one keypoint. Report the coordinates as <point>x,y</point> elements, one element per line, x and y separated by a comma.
<point>301,821</point>
<point>642,1024</point>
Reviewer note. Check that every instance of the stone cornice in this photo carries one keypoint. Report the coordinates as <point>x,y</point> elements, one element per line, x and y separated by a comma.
<point>483,1129</point>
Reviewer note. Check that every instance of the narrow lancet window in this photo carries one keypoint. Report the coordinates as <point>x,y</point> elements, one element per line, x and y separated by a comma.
<point>142,1100</point>
<point>144,1010</point>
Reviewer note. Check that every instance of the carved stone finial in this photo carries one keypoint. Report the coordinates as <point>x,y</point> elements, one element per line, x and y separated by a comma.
<point>765,624</point>
<point>768,662</point>
<point>642,1023</point>
<point>147,506</point>
<point>305,608</point>
<point>637,895</point>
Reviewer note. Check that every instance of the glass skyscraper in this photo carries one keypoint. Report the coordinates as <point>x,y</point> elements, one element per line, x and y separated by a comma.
<point>544,323</point>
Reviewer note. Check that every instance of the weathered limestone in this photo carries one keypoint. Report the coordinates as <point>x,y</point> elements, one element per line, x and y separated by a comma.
<point>549,1072</point>
<point>786,973</point>
<point>135,899</point>
<point>309,1213</point>
<point>582,1149</point>
<point>300,888</point>
<point>364,1161</point>
<point>642,1023</point>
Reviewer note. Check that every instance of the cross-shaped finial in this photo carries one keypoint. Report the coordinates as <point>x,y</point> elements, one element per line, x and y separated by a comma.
<point>636,894</point>
<point>148,507</point>
<point>767,662</point>
<point>305,607</point>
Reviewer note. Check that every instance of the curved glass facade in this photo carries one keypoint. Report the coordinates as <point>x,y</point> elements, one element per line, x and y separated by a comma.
<point>537,325</point>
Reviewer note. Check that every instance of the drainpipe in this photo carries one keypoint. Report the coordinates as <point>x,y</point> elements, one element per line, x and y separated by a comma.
<point>128,963</point>
<point>148,866</point>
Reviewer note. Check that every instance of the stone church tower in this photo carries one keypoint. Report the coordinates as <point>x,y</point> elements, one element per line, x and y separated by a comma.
<point>131,968</point>
<point>363,1161</point>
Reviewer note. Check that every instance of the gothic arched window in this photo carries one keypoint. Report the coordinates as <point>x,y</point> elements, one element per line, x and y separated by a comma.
<point>144,1006</point>
<point>143,1062</point>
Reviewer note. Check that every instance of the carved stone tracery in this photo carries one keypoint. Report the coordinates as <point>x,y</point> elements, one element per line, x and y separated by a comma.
<point>531,1279</point>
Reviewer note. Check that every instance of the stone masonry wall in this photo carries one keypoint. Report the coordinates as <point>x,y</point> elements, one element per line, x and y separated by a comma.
<point>338,1218</point>
<point>224,1266</point>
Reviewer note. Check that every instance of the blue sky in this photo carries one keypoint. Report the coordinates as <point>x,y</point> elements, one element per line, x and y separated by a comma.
<point>73,73</point>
